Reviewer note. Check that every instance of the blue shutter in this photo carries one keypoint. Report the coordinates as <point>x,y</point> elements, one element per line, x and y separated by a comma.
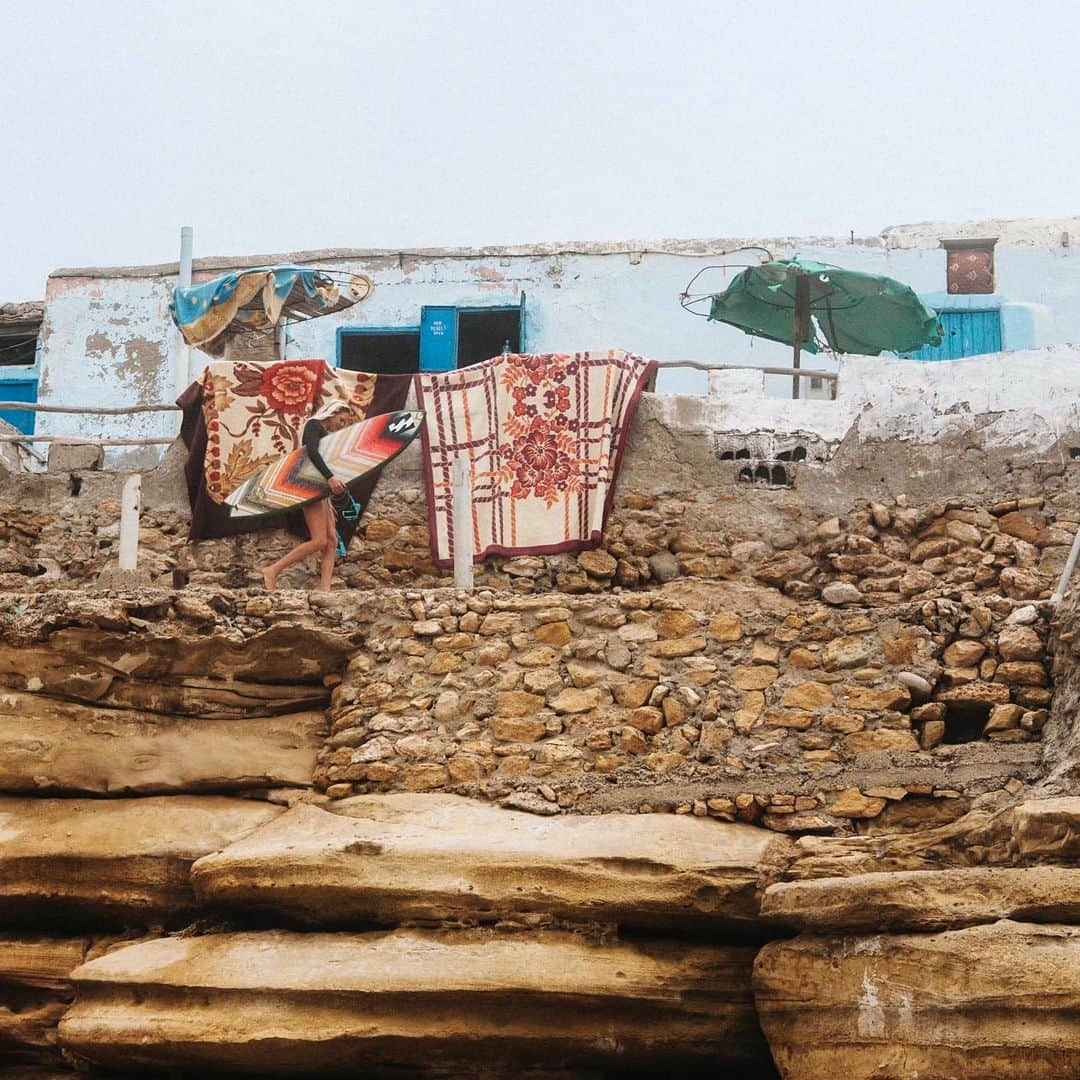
<point>964,333</point>
<point>19,390</point>
<point>438,339</point>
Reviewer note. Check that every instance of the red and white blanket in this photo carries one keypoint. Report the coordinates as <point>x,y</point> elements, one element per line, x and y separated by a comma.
<point>543,434</point>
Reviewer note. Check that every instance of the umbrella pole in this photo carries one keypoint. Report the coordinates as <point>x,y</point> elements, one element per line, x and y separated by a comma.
<point>802,325</point>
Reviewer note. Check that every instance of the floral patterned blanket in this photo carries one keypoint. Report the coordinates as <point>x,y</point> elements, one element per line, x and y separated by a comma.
<point>240,416</point>
<point>544,435</point>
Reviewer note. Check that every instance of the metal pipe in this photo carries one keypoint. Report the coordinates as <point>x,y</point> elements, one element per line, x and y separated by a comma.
<point>1067,571</point>
<point>183,358</point>
<point>90,410</point>
<point>802,373</point>
<point>78,440</point>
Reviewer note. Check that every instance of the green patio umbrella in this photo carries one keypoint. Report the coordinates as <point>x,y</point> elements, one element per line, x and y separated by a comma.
<point>855,312</point>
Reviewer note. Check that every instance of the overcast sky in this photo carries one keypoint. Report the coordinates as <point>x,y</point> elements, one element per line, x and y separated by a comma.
<point>275,126</point>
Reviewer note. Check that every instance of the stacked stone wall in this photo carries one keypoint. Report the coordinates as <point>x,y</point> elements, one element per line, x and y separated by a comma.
<point>729,700</point>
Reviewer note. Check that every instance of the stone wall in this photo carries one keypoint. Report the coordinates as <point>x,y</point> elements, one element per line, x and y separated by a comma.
<point>717,698</point>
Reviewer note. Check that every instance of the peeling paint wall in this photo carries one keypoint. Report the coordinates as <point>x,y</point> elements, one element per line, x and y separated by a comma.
<point>107,337</point>
<point>108,342</point>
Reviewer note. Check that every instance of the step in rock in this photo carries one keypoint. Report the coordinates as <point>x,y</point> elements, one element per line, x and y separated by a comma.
<point>112,861</point>
<point>392,857</point>
<point>926,899</point>
<point>35,992</point>
<point>1001,1000</point>
<point>48,745</point>
<point>446,1002</point>
<point>1034,832</point>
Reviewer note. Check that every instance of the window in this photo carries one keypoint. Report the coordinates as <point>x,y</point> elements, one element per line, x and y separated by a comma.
<point>485,332</point>
<point>447,338</point>
<point>18,376</point>
<point>382,351</point>
<point>18,349</point>
<point>969,266</point>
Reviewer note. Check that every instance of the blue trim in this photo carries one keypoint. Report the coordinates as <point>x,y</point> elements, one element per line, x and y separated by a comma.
<point>343,331</point>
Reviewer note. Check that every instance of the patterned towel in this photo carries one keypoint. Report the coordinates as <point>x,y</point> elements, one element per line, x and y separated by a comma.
<point>544,436</point>
<point>240,416</point>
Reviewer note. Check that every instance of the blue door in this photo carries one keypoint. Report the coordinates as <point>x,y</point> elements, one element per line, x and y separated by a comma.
<point>19,390</point>
<point>964,333</point>
<point>438,338</point>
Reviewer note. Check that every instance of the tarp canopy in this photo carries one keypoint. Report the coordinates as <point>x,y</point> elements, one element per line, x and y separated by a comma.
<point>855,312</point>
<point>210,312</point>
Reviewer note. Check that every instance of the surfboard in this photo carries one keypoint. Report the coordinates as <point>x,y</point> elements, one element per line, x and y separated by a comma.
<point>351,453</point>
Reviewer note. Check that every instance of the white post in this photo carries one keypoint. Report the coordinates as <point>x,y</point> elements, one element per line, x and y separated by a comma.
<point>130,506</point>
<point>183,359</point>
<point>282,340</point>
<point>461,507</point>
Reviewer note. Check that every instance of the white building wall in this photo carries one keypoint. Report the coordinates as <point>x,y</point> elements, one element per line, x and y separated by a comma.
<point>108,339</point>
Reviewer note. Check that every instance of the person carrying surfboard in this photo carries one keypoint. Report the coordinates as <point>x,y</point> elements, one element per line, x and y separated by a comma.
<point>318,516</point>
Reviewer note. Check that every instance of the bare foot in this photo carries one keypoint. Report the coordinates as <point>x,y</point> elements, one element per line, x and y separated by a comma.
<point>269,578</point>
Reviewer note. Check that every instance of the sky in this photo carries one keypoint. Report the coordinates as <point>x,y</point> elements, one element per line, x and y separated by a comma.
<point>274,126</point>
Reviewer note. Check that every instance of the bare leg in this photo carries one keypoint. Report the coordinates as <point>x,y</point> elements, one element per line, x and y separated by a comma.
<point>315,519</point>
<point>329,551</point>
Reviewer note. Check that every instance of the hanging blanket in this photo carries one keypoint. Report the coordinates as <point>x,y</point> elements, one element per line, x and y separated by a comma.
<point>239,416</point>
<point>544,436</point>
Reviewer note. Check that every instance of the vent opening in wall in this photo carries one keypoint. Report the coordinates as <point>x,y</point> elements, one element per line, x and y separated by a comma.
<point>964,722</point>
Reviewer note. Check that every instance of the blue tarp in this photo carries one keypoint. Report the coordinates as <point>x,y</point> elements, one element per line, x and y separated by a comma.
<point>205,311</point>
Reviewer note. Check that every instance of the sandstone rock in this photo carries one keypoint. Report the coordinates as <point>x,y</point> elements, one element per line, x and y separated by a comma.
<point>867,742</point>
<point>754,676</point>
<point>50,745</point>
<point>517,703</point>
<point>852,803</point>
<point>839,593</point>
<point>926,900</point>
<point>808,695</point>
<point>675,624</point>
<point>964,653</point>
<point>932,734</point>
<point>395,857</point>
<point>34,993</point>
<point>1024,584</point>
<point>597,563</point>
<point>987,1001</point>
<point>126,861</point>
<point>517,729</point>
<point>1026,527</point>
<point>1003,717</point>
<point>677,647</point>
<point>726,627</point>
<point>572,700</point>
<point>1019,643</point>
<point>975,693</point>
<point>459,1003</point>
<point>865,697</point>
<point>1021,673</point>
<point>848,651</point>
<point>788,566</point>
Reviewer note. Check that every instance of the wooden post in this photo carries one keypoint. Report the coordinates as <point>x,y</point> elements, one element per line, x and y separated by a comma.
<point>461,508</point>
<point>130,506</point>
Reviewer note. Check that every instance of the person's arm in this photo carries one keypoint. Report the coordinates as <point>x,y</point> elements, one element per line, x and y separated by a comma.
<point>313,432</point>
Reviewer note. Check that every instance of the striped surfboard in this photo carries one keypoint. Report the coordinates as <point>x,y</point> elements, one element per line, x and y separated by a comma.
<point>351,453</point>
